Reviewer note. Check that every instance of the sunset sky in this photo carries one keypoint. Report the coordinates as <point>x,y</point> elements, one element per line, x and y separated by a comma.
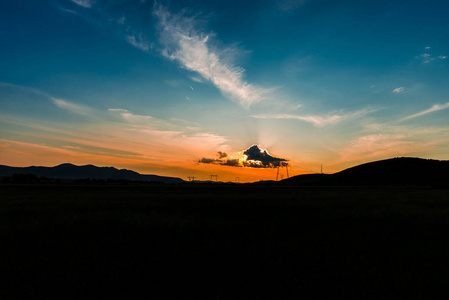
<point>177,88</point>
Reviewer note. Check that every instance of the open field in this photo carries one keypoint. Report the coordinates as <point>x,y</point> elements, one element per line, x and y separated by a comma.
<point>223,242</point>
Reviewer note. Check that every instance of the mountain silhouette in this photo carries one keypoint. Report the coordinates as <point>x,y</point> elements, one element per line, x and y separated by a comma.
<point>394,171</point>
<point>70,171</point>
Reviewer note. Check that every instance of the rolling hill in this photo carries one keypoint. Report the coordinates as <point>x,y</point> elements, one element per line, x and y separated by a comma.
<point>394,171</point>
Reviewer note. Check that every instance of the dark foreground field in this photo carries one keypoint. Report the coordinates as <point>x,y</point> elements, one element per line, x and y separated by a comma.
<point>223,242</point>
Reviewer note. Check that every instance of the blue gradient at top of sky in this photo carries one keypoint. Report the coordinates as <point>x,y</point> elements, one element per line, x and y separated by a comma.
<point>334,72</point>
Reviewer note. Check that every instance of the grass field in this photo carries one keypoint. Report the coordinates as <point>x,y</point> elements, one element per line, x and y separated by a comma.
<point>71,241</point>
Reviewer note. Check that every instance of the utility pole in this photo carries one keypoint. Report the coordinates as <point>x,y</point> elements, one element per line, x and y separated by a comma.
<point>277,174</point>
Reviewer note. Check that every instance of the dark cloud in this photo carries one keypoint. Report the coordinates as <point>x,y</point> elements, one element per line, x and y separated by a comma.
<point>231,162</point>
<point>259,158</point>
<point>220,160</point>
<point>222,154</point>
<point>223,162</point>
<point>255,158</point>
<point>209,161</point>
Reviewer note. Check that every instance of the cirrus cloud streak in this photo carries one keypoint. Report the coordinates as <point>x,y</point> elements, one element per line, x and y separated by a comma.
<point>84,3</point>
<point>435,107</point>
<point>184,44</point>
<point>317,120</point>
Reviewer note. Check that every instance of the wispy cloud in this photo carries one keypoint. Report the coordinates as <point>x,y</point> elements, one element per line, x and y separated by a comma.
<point>435,107</point>
<point>151,124</point>
<point>76,148</point>
<point>377,146</point>
<point>130,117</point>
<point>139,42</point>
<point>426,58</point>
<point>72,107</point>
<point>197,79</point>
<point>84,3</point>
<point>24,88</point>
<point>68,11</point>
<point>387,141</point>
<point>117,136</point>
<point>183,43</point>
<point>398,90</point>
<point>320,121</point>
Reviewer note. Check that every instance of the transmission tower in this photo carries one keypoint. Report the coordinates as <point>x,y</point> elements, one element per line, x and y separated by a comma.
<point>277,173</point>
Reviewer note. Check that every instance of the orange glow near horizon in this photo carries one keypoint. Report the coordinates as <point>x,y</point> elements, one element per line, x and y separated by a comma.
<point>23,154</point>
<point>174,154</point>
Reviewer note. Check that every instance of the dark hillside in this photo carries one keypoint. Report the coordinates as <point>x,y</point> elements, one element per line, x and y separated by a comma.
<point>69,171</point>
<point>404,170</point>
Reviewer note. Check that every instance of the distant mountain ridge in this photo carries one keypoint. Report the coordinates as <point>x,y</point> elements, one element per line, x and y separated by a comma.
<point>70,171</point>
<point>393,171</point>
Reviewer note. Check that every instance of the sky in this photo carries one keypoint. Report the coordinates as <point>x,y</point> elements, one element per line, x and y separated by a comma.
<point>186,88</point>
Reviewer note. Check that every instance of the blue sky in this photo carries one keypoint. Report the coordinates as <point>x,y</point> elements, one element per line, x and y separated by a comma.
<point>157,86</point>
